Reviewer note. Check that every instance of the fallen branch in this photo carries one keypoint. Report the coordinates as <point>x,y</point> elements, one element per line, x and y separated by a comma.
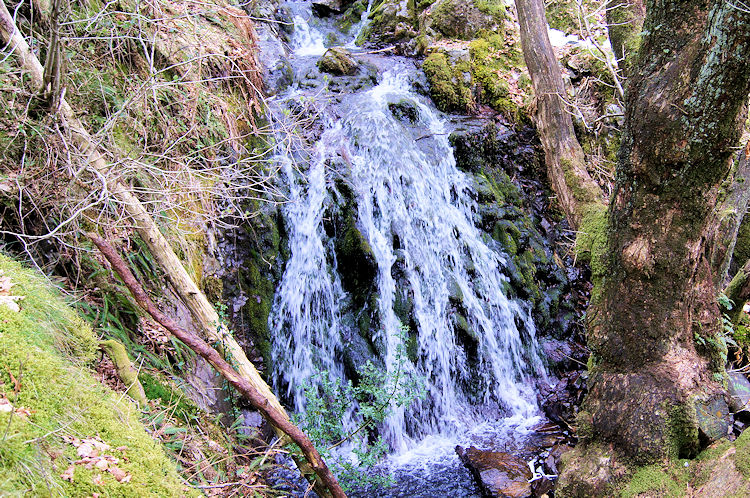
<point>278,419</point>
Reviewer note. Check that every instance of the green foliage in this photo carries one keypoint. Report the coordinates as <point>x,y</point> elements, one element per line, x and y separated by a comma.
<point>169,396</point>
<point>374,398</point>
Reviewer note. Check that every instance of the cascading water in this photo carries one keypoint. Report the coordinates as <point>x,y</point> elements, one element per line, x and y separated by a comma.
<point>473,345</point>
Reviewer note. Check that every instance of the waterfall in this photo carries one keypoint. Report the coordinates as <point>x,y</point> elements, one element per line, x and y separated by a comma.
<point>414,207</point>
<point>473,345</point>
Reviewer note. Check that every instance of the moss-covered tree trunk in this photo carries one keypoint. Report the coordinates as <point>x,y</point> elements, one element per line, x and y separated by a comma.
<point>653,322</point>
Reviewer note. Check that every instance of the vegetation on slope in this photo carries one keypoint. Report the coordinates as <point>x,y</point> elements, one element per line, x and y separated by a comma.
<point>53,405</point>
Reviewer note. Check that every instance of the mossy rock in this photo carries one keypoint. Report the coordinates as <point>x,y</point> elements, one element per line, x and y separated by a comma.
<point>356,261</point>
<point>462,19</point>
<point>448,88</point>
<point>51,346</point>
<point>405,111</point>
<point>563,16</point>
<point>338,62</point>
<point>391,22</point>
<point>486,71</point>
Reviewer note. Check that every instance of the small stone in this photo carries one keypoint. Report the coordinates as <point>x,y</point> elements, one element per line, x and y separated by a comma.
<point>713,417</point>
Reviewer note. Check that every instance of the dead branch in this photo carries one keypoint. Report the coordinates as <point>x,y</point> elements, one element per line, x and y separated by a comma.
<point>200,347</point>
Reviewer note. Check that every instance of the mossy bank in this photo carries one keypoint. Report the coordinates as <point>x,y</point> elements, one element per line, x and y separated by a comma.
<point>45,352</point>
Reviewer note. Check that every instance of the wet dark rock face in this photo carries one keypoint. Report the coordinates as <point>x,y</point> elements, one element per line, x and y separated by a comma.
<point>513,196</point>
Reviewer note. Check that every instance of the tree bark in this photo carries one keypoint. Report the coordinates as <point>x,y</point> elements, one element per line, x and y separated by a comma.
<point>653,322</point>
<point>201,309</point>
<point>276,417</point>
<point>576,191</point>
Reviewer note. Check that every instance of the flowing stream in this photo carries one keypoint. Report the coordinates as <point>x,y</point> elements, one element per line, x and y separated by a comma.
<point>474,347</point>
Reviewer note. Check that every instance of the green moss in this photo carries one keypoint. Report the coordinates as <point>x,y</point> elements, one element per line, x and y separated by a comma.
<point>591,241</point>
<point>495,8</point>
<point>742,455</point>
<point>655,481</point>
<point>448,90</point>
<point>682,429</point>
<point>46,345</point>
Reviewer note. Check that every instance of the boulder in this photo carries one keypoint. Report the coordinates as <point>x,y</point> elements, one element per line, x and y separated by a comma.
<point>498,474</point>
<point>739,392</point>
<point>461,19</point>
<point>338,62</point>
<point>391,23</point>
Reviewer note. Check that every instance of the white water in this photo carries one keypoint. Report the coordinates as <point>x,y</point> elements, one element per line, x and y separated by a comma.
<point>416,211</point>
<point>307,41</point>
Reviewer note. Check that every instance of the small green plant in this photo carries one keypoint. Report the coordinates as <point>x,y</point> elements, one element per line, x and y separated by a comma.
<point>377,394</point>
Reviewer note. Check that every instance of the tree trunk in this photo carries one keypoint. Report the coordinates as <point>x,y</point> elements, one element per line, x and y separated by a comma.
<point>653,322</point>
<point>729,216</point>
<point>578,194</point>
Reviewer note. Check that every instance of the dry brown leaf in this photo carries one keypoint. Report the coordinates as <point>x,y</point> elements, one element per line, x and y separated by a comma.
<point>86,450</point>
<point>68,474</point>
<point>10,302</point>
<point>119,474</point>
<point>5,285</point>
<point>23,412</point>
<point>98,480</point>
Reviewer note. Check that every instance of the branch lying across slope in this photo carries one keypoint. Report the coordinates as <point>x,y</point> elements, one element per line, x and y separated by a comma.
<point>200,347</point>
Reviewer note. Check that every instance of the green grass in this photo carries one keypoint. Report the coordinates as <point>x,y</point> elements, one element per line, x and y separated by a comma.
<point>47,347</point>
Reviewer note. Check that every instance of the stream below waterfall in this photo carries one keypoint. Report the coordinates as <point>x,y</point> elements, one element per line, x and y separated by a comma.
<point>386,262</point>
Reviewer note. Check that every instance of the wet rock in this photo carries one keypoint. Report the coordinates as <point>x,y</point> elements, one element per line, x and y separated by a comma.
<point>560,402</point>
<point>562,355</point>
<point>713,418</point>
<point>461,19</point>
<point>498,474</point>
<point>325,8</point>
<point>404,111</point>
<point>739,391</point>
<point>338,62</point>
<point>541,487</point>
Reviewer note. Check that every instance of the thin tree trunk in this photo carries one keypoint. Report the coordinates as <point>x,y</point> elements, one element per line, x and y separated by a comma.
<point>624,25</point>
<point>729,216</point>
<point>276,417</point>
<point>201,309</point>
<point>578,194</point>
